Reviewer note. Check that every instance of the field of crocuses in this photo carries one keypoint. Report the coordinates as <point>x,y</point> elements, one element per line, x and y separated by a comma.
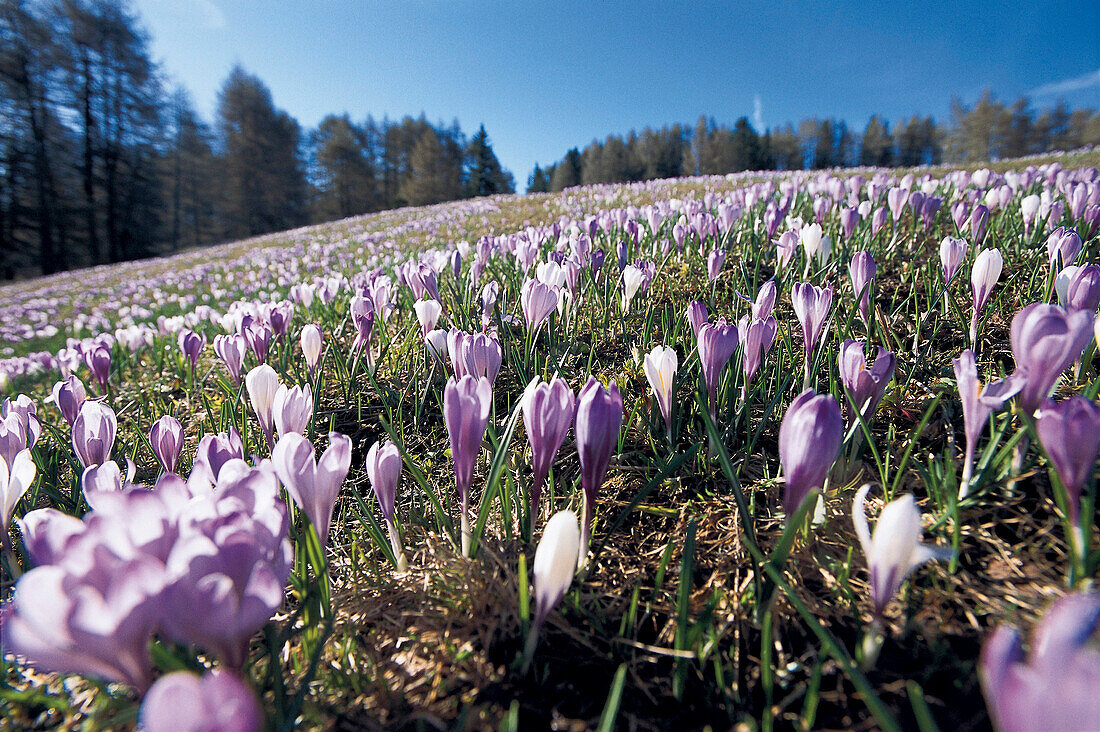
<point>762,451</point>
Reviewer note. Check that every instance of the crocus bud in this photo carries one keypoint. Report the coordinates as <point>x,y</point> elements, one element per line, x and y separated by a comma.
<point>849,217</point>
<point>292,409</point>
<point>715,343</point>
<point>986,272</point>
<point>166,438</point>
<point>262,384</point>
<point>547,415</point>
<point>660,368</point>
<point>632,280</point>
<point>897,198</point>
<point>978,404</point>
<point>311,348</point>
<point>714,264</point>
<point>1029,207</point>
<point>1063,246</point>
<point>952,253</point>
<point>538,300</point>
<point>556,559</point>
<point>785,248</point>
<point>811,305</point>
<point>697,316</point>
<point>757,337</point>
<point>68,394</point>
<point>15,479</point>
<point>979,222</point>
<point>1045,340</point>
<point>809,441</point>
<point>1055,687</point>
<point>191,345</point>
<point>213,452</point>
<point>436,341</point>
<point>1079,287</point>
<point>94,433</point>
<point>1070,433</point>
<point>183,702</point>
<point>383,464</point>
<point>895,549</point>
<point>862,270</point>
<point>598,420</point>
<point>362,315</point>
<point>313,484</point>
<point>765,300</point>
<point>98,360</point>
<point>466,405</point>
<point>427,312</point>
<point>230,349</point>
<point>866,385</point>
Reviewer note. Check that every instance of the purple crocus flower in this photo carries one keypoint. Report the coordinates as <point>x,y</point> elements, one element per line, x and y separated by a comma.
<point>191,345</point>
<point>68,395</point>
<point>865,385</point>
<point>548,410</point>
<point>183,702</point>
<point>979,222</point>
<point>862,270</point>
<point>538,301</point>
<point>849,217</point>
<point>262,384</point>
<point>292,409</point>
<point>878,220</point>
<point>383,464</point>
<point>811,305</point>
<point>98,360</point>
<point>1070,433</point>
<point>279,318</point>
<point>257,336</point>
<point>598,421</point>
<point>952,254</point>
<point>1054,688</point>
<point>983,278</point>
<point>313,484</point>
<point>895,549</point>
<point>757,336</point>
<point>427,312</point>
<point>94,433</point>
<point>16,477</point>
<point>960,213</point>
<point>896,198</point>
<point>230,349</point>
<point>166,438</point>
<point>697,316</point>
<point>785,248</point>
<point>13,438</point>
<point>466,405</point>
<point>213,452</point>
<point>714,264</point>
<point>1063,246</point>
<point>809,441</point>
<point>1078,288</point>
<point>362,315</point>
<point>715,343</point>
<point>474,354</point>
<point>1045,340</point>
<point>764,303</point>
<point>978,404</point>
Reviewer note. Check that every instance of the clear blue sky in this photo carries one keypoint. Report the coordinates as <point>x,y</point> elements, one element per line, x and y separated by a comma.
<point>547,76</point>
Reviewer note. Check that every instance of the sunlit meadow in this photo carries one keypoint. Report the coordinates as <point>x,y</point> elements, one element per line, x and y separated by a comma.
<point>778,451</point>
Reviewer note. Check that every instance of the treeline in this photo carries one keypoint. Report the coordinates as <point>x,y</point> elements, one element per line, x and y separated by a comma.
<point>986,131</point>
<point>102,160</point>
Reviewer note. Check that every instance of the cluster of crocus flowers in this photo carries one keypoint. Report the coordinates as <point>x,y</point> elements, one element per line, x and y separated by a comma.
<point>1054,686</point>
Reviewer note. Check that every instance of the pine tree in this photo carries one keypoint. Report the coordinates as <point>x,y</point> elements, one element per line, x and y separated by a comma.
<point>484,175</point>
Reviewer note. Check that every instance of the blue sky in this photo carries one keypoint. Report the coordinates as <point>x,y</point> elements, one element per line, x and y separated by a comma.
<point>544,77</point>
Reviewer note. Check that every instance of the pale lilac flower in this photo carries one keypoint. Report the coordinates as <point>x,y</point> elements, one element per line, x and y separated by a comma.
<point>1070,433</point>
<point>811,305</point>
<point>697,316</point>
<point>598,421</point>
<point>809,441</point>
<point>1063,246</point>
<point>94,433</point>
<point>68,395</point>
<point>862,270</point>
<point>715,344</point>
<point>98,360</point>
<point>183,702</point>
<point>292,409</point>
<point>1055,688</point>
<point>660,369</point>
<point>213,452</point>
<point>757,336</point>
<point>714,264</point>
<point>311,348</point>
<point>427,312</point>
<point>1045,340</point>
<point>538,300</point>
<point>895,549</point>
<point>362,315</point>
<point>191,345</point>
<point>1078,288</point>
<point>632,281</point>
<point>16,478</point>
<point>230,349</point>
<point>548,410</point>
<point>262,384</point>
<point>466,405</point>
<point>986,272</point>
<point>166,439</point>
<point>952,254</point>
<point>866,385</point>
<point>556,559</point>
<point>383,464</point>
<point>313,484</point>
<point>978,404</point>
